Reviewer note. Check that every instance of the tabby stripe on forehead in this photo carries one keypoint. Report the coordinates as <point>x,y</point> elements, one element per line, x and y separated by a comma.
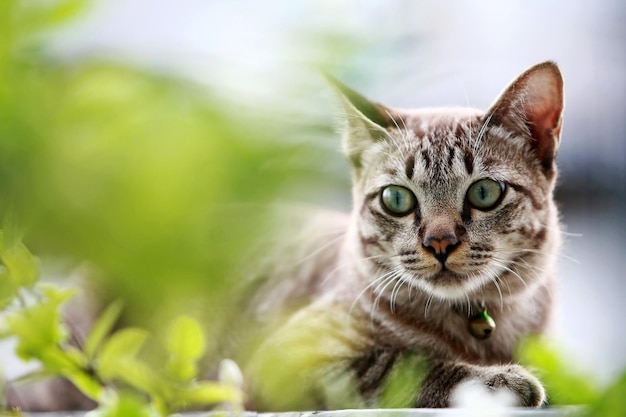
<point>451,155</point>
<point>468,159</point>
<point>410,166</point>
<point>426,158</point>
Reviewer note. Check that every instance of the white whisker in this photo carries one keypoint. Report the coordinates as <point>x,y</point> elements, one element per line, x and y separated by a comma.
<point>502,265</point>
<point>481,133</point>
<point>517,252</point>
<point>427,305</point>
<point>395,292</point>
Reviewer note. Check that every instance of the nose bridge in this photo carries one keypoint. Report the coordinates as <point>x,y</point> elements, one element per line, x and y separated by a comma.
<point>440,226</point>
<point>440,223</point>
<point>440,236</point>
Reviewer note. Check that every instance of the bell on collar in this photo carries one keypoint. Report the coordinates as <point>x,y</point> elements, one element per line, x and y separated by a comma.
<point>481,326</point>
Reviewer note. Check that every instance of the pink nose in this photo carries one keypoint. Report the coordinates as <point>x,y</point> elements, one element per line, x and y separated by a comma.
<point>441,246</point>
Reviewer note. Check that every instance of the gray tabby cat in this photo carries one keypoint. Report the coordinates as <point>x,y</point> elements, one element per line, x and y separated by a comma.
<point>444,265</point>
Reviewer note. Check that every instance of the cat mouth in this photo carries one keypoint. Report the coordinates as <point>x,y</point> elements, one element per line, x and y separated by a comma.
<point>446,277</point>
<point>443,282</point>
<point>447,285</point>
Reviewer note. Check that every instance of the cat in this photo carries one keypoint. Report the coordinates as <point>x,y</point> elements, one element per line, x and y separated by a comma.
<point>443,266</point>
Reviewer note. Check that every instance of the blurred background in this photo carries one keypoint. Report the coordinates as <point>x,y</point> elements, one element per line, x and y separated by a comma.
<point>143,143</point>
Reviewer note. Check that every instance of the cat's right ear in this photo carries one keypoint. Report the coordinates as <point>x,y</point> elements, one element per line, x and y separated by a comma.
<point>366,121</point>
<point>532,106</point>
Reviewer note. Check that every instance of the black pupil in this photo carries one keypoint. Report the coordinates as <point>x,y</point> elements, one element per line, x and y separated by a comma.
<point>482,192</point>
<point>398,198</point>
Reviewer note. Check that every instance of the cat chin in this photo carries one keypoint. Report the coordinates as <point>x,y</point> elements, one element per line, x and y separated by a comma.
<point>448,286</point>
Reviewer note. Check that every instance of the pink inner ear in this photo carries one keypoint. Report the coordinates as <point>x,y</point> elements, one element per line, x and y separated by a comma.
<point>534,101</point>
<point>543,104</point>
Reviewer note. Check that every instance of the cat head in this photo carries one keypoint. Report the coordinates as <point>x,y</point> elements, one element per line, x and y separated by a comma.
<point>458,202</point>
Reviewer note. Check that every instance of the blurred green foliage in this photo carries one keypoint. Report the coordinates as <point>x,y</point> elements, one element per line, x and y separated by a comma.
<point>565,384</point>
<point>568,385</point>
<point>154,187</point>
<point>21,269</point>
<point>109,368</point>
<point>160,186</point>
<point>156,183</point>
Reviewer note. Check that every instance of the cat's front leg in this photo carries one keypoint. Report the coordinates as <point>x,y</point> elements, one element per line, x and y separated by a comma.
<point>445,377</point>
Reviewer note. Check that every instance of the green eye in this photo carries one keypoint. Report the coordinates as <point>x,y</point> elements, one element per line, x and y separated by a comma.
<point>398,200</point>
<point>485,194</point>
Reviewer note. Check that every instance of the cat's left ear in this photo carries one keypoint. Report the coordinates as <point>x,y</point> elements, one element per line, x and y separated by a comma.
<point>533,105</point>
<point>366,121</point>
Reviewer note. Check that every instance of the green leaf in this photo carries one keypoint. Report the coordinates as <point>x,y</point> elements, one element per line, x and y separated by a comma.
<point>120,348</point>
<point>22,267</point>
<point>185,345</point>
<point>86,383</point>
<point>138,374</point>
<point>123,405</point>
<point>56,361</point>
<point>117,360</point>
<point>101,328</point>
<point>186,339</point>
<point>207,393</point>
<point>39,327</point>
<point>76,355</point>
<point>8,290</point>
<point>181,370</point>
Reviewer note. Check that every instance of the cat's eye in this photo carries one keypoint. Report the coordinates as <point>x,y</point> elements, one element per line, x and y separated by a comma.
<point>485,194</point>
<point>397,200</point>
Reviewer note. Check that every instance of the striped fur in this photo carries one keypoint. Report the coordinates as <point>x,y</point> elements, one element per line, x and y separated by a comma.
<point>378,292</point>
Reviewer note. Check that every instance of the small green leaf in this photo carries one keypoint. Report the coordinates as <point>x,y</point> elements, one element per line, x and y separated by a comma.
<point>137,374</point>
<point>181,370</point>
<point>86,383</point>
<point>185,345</point>
<point>117,360</point>
<point>122,405</point>
<point>8,289</point>
<point>101,328</point>
<point>76,355</point>
<point>186,339</point>
<point>122,346</point>
<point>21,266</point>
<point>207,393</point>
<point>39,327</point>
